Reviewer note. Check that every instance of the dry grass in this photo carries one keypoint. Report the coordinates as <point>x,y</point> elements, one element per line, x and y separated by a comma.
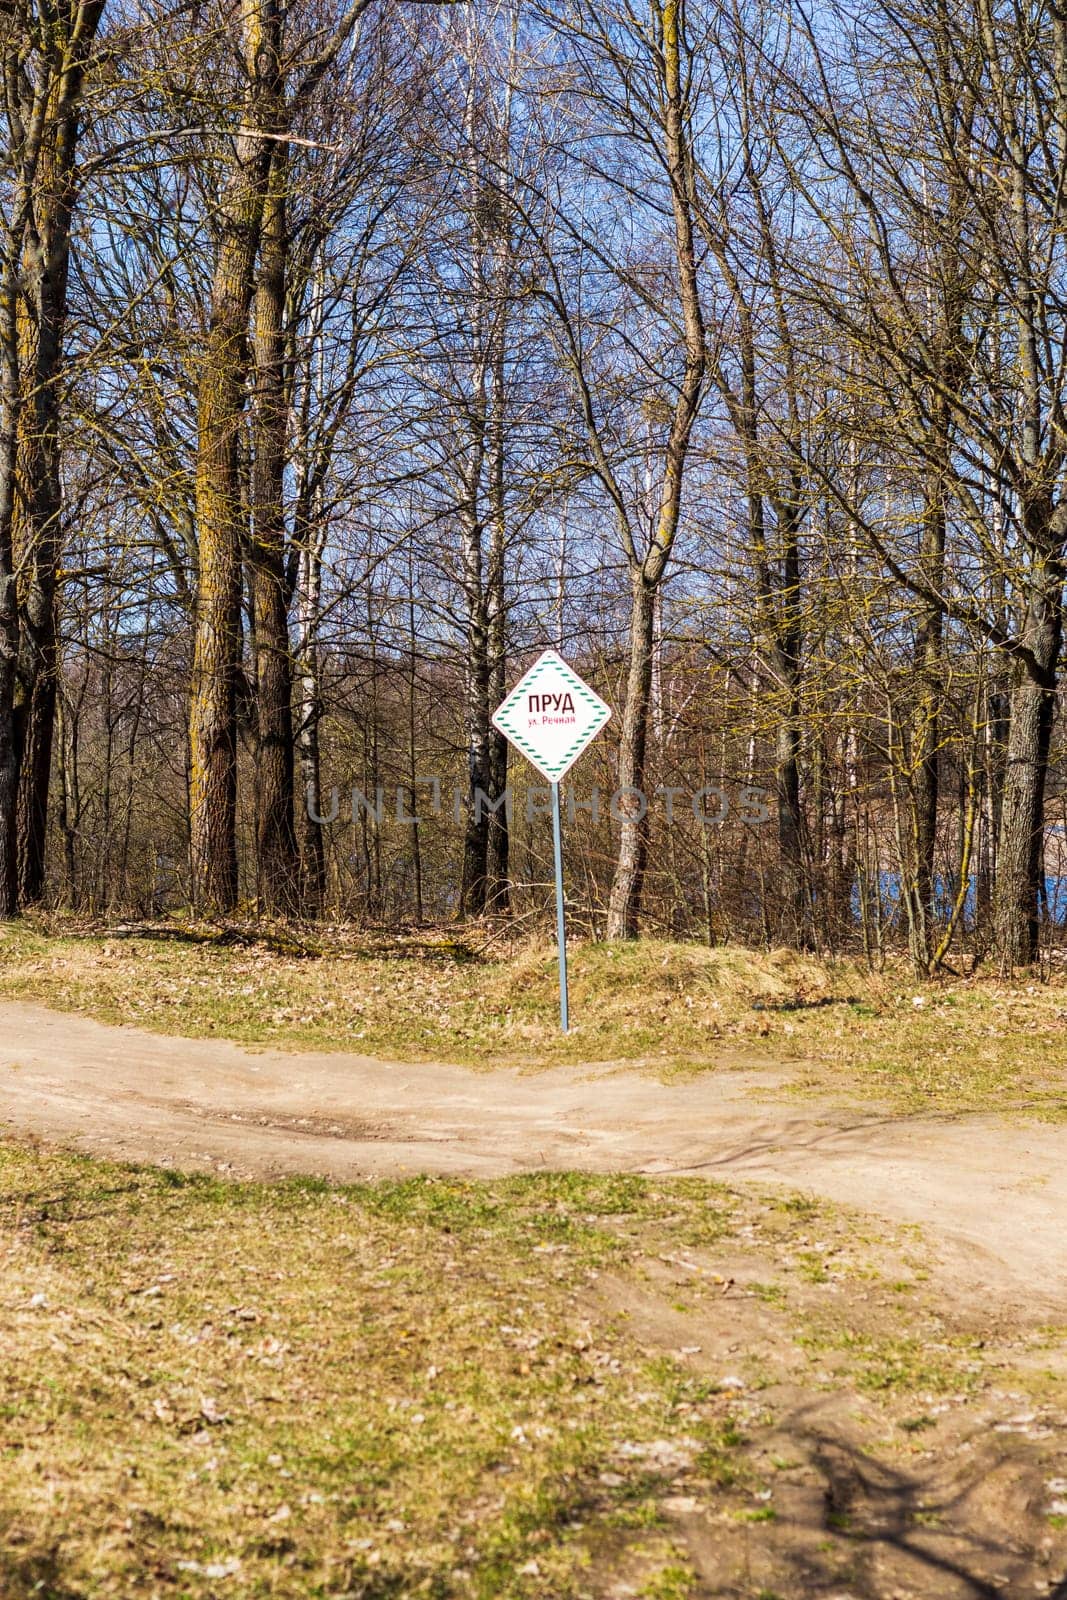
<point>955,1045</point>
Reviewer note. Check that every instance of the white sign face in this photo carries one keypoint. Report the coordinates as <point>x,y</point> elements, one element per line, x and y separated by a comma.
<point>551,715</point>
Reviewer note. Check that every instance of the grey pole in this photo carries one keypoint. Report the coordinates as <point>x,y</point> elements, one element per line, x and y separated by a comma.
<point>561,929</point>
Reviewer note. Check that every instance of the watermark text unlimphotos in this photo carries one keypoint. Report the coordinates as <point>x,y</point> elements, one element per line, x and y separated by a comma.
<point>412,803</point>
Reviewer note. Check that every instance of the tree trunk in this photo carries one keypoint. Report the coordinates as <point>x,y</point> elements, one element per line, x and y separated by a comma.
<point>624,904</point>
<point>926,742</point>
<point>276,853</point>
<point>995,736</point>
<point>35,769</point>
<point>474,886</point>
<point>38,508</point>
<point>796,897</point>
<point>220,401</point>
<point>1020,847</point>
<point>67,730</point>
<point>9,611</point>
<point>786,645</point>
<point>413,754</point>
<point>38,544</point>
<point>312,843</point>
<point>498,894</point>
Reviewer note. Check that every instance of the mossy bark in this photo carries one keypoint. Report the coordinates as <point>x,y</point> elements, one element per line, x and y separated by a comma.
<point>220,403</point>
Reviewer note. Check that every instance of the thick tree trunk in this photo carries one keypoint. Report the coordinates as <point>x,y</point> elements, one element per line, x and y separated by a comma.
<point>38,543</point>
<point>1020,847</point>
<point>212,718</point>
<point>1020,851</point>
<point>220,401</point>
<point>624,904</point>
<point>9,612</point>
<point>276,852</point>
<point>38,510</point>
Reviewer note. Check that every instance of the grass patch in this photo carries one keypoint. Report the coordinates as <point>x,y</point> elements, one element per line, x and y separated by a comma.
<point>895,1362</point>
<point>671,1583</point>
<point>298,1390</point>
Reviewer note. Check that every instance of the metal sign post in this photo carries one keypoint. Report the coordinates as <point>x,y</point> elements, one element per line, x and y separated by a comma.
<point>551,715</point>
<point>561,924</point>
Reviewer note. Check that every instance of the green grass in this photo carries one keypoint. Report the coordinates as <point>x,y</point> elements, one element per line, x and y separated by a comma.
<point>675,1009</point>
<point>671,1583</point>
<point>898,1362</point>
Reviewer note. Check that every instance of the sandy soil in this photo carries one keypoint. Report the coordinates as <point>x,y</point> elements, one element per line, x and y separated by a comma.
<point>992,1194</point>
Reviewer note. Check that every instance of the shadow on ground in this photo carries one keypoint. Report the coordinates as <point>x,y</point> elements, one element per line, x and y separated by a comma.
<point>848,1525</point>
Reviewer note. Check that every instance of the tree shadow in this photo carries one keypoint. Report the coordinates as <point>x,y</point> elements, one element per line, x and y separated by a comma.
<point>881,1531</point>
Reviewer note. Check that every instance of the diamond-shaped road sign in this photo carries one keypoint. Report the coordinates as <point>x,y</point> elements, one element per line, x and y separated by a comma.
<point>551,715</point>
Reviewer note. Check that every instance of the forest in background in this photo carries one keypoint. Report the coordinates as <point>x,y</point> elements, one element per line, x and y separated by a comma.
<point>349,356</point>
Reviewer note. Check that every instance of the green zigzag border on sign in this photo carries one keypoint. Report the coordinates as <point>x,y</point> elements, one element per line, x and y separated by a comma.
<point>602,713</point>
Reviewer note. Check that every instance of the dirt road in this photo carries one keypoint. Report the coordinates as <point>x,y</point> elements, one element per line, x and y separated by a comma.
<point>992,1194</point>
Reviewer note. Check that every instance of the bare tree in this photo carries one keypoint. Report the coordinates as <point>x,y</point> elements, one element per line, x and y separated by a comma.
<point>635,69</point>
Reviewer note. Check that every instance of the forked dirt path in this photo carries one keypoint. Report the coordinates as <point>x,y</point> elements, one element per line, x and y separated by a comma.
<point>991,1194</point>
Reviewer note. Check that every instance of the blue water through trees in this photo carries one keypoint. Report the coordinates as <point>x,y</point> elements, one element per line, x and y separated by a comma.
<point>1053,906</point>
